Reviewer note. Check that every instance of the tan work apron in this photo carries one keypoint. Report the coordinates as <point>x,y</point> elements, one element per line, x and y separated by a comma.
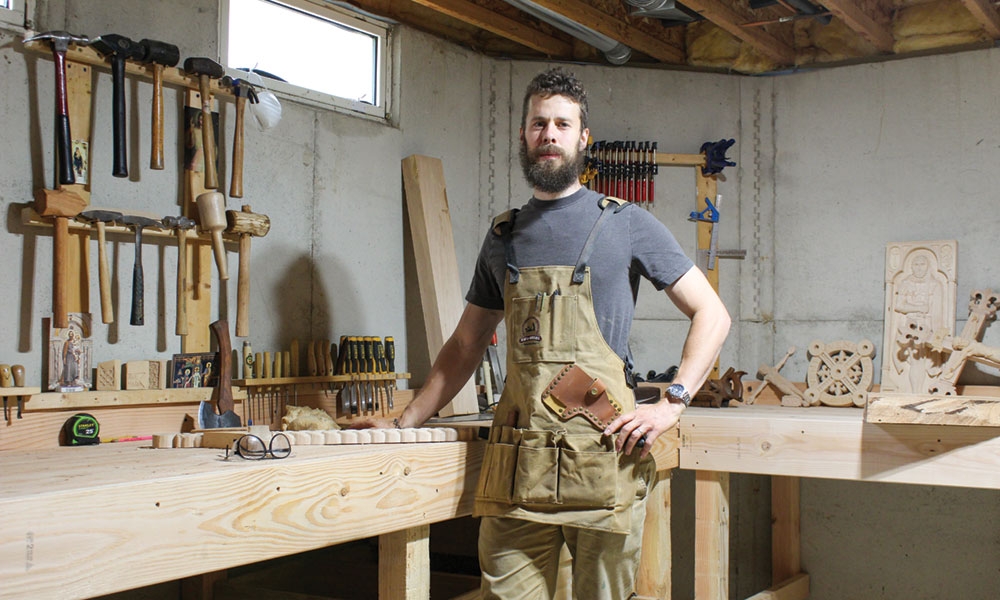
<point>543,468</point>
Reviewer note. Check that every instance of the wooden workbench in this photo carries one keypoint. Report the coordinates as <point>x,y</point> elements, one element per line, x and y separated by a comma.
<point>86,521</point>
<point>819,442</point>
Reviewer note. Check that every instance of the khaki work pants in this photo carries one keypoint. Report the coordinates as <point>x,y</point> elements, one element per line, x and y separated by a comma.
<point>520,559</point>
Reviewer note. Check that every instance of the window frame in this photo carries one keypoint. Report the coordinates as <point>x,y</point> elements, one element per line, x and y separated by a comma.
<point>380,30</point>
<point>15,15</point>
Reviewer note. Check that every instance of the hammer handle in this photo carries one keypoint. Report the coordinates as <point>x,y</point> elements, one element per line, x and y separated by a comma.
<point>63,136</point>
<point>156,153</point>
<point>138,291</point>
<point>208,134</point>
<point>60,256</point>
<point>236,182</point>
<point>243,289</point>
<point>181,327</point>
<point>107,309</point>
<point>119,166</point>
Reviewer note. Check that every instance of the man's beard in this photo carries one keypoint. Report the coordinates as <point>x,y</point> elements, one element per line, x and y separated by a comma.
<point>547,175</point>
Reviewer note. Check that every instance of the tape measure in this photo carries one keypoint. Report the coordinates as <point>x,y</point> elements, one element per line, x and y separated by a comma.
<point>82,430</point>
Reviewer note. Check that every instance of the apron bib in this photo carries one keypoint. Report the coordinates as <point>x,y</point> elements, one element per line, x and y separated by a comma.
<point>538,465</point>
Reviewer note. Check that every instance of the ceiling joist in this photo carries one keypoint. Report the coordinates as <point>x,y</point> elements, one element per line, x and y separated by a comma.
<point>483,18</point>
<point>864,25</point>
<point>725,17</point>
<point>986,14</point>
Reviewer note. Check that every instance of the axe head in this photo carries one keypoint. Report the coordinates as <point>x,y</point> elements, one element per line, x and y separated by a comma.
<point>209,419</point>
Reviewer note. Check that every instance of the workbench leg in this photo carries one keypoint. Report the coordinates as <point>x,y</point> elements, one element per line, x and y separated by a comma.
<point>785,524</point>
<point>202,587</point>
<point>657,554</point>
<point>404,564</point>
<point>711,536</point>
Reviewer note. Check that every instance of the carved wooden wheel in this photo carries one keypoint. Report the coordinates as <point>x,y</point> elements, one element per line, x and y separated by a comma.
<point>840,373</point>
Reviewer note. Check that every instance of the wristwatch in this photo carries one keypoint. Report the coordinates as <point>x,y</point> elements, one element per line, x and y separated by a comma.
<point>678,392</point>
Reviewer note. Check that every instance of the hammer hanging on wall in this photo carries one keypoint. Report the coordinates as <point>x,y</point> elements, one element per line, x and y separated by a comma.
<point>246,224</point>
<point>119,49</point>
<point>206,69</point>
<point>158,55</point>
<point>60,41</point>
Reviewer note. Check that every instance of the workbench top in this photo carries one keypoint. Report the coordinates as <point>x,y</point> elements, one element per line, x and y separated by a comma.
<point>87,521</point>
<point>837,443</point>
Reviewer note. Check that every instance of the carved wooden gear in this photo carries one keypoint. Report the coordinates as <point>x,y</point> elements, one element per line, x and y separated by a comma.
<point>840,373</point>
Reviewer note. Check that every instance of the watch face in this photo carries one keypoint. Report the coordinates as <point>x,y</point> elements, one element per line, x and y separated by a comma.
<point>677,391</point>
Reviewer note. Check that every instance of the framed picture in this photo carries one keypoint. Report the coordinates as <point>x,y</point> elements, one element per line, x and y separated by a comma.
<point>71,355</point>
<point>194,370</point>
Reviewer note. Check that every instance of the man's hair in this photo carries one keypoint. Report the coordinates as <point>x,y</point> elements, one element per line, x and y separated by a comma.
<point>556,82</point>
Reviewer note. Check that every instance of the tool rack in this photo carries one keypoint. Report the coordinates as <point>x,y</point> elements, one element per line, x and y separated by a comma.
<point>148,410</point>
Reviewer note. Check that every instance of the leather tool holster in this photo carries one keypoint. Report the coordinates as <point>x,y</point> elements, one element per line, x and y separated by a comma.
<point>573,392</point>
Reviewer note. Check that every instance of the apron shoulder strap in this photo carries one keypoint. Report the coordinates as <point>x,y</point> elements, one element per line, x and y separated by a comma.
<point>502,227</point>
<point>617,204</point>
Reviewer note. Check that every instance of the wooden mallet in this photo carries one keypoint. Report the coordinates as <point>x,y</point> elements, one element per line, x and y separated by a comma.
<point>247,224</point>
<point>212,216</point>
<point>61,205</point>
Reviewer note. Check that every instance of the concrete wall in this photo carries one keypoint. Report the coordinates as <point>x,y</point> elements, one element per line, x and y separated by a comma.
<point>832,165</point>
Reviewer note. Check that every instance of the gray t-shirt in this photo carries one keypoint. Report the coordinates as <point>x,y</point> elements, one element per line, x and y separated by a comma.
<point>632,243</point>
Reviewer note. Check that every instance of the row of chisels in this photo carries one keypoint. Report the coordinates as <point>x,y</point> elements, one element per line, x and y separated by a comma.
<point>360,371</point>
<point>371,357</point>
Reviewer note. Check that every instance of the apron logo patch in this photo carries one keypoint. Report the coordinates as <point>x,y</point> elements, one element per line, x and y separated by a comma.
<point>529,332</point>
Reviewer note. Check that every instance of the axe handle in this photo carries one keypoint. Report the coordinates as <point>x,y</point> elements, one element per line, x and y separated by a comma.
<point>208,134</point>
<point>63,136</point>
<point>243,289</point>
<point>156,152</point>
<point>225,401</point>
<point>60,256</point>
<point>181,327</point>
<point>104,272</point>
<point>119,167</point>
<point>236,182</point>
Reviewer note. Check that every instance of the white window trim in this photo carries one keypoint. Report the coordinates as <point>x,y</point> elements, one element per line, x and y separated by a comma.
<point>380,29</point>
<point>13,17</point>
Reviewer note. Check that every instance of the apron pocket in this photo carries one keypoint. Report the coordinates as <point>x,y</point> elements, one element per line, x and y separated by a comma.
<point>588,479</point>
<point>536,478</point>
<point>498,472</point>
<point>542,328</point>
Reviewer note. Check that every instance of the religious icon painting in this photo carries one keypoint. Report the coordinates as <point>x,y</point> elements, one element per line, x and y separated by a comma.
<point>71,353</point>
<point>194,370</point>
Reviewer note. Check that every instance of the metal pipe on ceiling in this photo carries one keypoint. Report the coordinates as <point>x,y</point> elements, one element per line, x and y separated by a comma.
<point>616,52</point>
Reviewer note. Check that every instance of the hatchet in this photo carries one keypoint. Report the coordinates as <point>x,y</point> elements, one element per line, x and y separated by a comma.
<point>223,394</point>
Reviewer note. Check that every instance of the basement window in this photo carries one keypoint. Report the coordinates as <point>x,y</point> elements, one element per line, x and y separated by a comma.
<point>12,12</point>
<point>309,50</point>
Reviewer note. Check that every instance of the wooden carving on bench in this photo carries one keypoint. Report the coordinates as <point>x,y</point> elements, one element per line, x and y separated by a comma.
<point>920,293</point>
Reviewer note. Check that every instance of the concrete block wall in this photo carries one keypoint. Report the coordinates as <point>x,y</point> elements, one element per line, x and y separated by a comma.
<point>833,164</point>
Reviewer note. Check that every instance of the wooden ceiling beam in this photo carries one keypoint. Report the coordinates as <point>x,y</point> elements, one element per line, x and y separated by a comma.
<point>616,29</point>
<point>986,14</point>
<point>861,23</point>
<point>476,15</point>
<point>728,19</point>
